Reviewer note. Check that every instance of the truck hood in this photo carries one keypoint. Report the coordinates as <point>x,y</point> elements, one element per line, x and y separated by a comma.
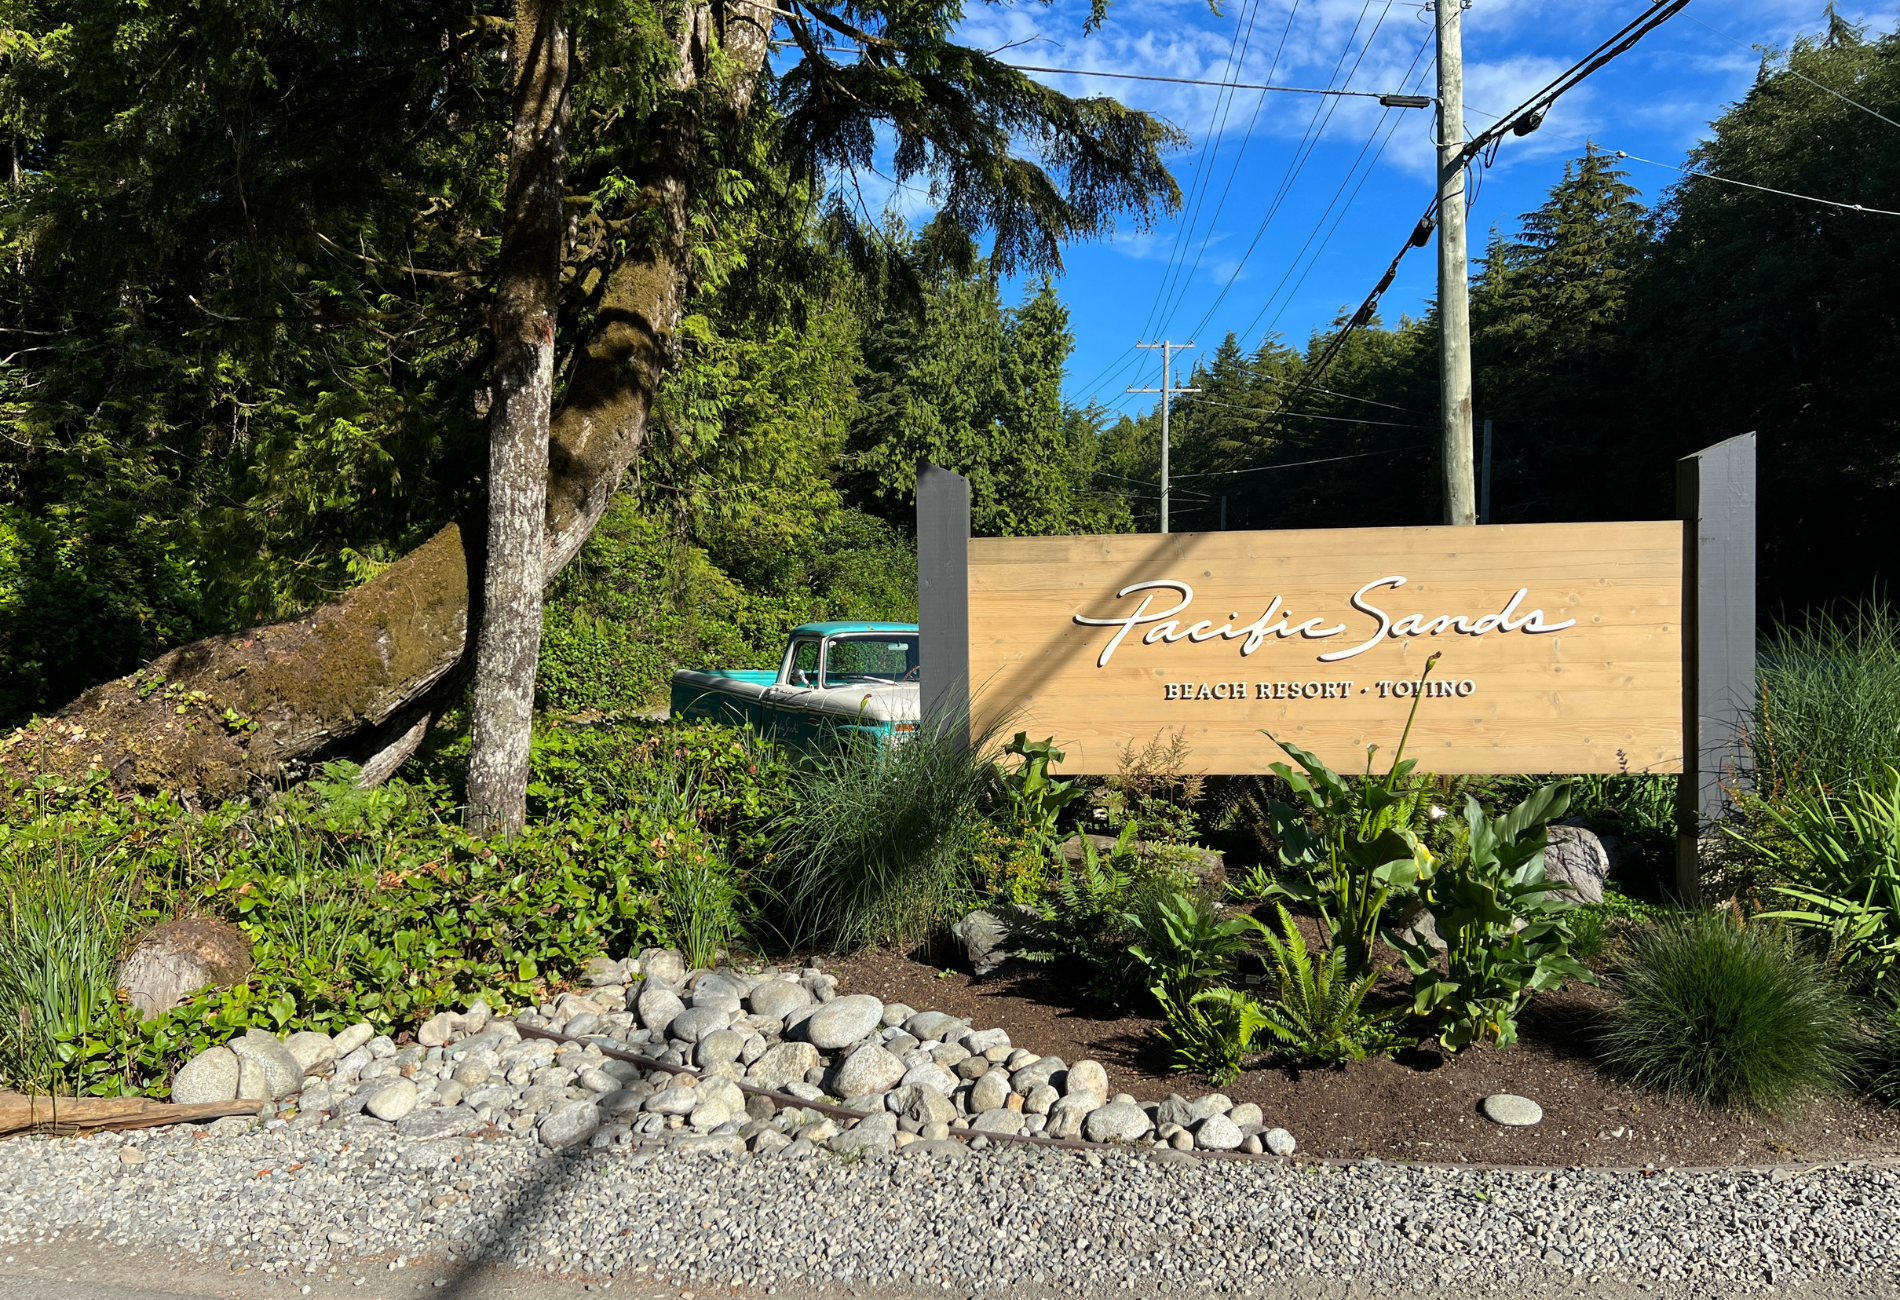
<point>886,702</point>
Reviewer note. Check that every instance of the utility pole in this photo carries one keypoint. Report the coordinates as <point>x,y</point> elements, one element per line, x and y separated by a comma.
<point>1167,390</point>
<point>1484,481</point>
<point>1454,299</point>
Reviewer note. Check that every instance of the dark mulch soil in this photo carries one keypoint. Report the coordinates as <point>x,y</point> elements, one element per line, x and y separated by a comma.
<point>1423,1105</point>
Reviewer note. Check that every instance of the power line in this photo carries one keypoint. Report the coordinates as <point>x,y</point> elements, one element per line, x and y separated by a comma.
<point>1765,189</point>
<point>1237,85</point>
<point>1790,70</point>
<point>1309,415</point>
<point>1324,460</point>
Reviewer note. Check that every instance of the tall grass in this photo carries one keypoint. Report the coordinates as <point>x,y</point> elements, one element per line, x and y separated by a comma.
<point>63,916</point>
<point>1729,1015</point>
<point>871,846</point>
<point>1829,709</point>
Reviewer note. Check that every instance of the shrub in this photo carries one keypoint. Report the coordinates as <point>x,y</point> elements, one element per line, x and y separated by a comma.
<point>1728,1015</point>
<point>1317,1011</point>
<point>1213,1032</point>
<point>1184,946</point>
<point>1829,711</point>
<point>872,842</point>
<point>1845,870</point>
<point>1880,1063</point>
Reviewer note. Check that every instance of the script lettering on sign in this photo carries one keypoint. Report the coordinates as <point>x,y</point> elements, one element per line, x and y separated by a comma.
<point>1560,644</point>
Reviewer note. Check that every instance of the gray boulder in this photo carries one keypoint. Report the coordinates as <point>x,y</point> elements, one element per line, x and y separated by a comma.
<point>874,1132</point>
<point>311,1050</point>
<point>1067,1115</point>
<point>867,1071</point>
<point>1175,1109</point>
<point>926,1025</point>
<point>170,962</point>
<point>657,1008</point>
<point>1279,1142</point>
<point>695,1023</point>
<point>718,1048</point>
<point>932,1077</point>
<point>1032,1076</point>
<point>1000,1120</point>
<point>438,1122</point>
<point>1576,860</point>
<point>352,1038</point>
<point>993,935</point>
<point>989,1091</point>
<point>1218,1133</point>
<point>394,1101</point>
<point>211,1075</point>
<point>663,964</point>
<point>843,1021</point>
<point>1086,1076</point>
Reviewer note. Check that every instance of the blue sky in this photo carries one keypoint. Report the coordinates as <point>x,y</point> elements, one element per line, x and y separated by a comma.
<point>1343,180</point>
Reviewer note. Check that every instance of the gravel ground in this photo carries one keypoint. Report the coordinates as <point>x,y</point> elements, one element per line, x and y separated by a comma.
<point>325,1205</point>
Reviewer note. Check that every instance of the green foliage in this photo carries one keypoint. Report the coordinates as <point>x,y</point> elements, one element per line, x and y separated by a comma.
<point>1829,711</point>
<point>1505,933</point>
<point>1728,1015</point>
<point>1153,786</point>
<point>63,915</point>
<point>1362,849</point>
<point>1032,800</point>
<point>1184,946</point>
<point>1845,871</point>
<point>1317,1012</point>
<point>1213,1033</point>
<point>1089,915</point>
<point>1880,1059</point>
<point>871,844</point>
<point>700,902</point>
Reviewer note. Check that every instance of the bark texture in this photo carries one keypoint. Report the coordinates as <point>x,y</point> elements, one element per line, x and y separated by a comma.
<point>362,676</point>
<point>523,385</point>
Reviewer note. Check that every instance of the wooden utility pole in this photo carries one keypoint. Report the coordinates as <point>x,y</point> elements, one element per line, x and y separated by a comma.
<point>1454,300</point>
<point>1167,390</point>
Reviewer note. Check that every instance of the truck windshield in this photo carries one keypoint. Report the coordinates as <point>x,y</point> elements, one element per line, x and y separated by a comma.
<point>873,656</point>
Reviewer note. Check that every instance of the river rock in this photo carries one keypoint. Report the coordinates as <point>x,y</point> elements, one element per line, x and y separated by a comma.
<point>717,1048</point>
<point>989,1091</point>
<point>1279,1142</point>
<point>931,1076</point>
<point>872,1133</point>
<point>170,962</point>
<point>1218,1133</point>
<point>1067,1115</point>
<point>782,1064</point>
<point>868,1070</point>
<point>352,1038</point>
<point>843,1021</point>
<point>310,1050</point>
<point>1040,1099</point>
<point>1511,1110</point>
<point>776,999</point>
<point>1576,860</point>
<point>1175,1109</point>
<point>1119,1121</point>
<point>393,1101</point>
<point>695,1023</point>
<point>673,1101</point>
<point>438,1122</point>
<point>1032,1076</point>
<point>926,1026</point>
<point>1214,1103</point>
<point>565,1125</point>
<point>980,1041</point>
<point>663,964</point>
<point>211,1075</point>
<point>282,1074</point>
<point>1000,1120</point>
<point>443,1027</point>
<point>657,1009</point>
<point>1246,1113</point>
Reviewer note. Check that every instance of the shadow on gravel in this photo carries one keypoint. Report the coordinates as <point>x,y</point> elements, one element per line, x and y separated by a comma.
<point>491,1239</point>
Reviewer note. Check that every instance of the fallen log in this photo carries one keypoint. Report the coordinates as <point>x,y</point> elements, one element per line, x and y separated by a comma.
<point>20,1113</point>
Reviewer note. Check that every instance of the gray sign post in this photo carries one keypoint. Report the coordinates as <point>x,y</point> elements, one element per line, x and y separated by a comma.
<point>1715,495</point>
<point>943,595</point>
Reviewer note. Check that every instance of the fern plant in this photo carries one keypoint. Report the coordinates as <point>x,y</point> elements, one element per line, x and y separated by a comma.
<point>1183,945</point>
<point>1318,1010</point>
<point>1213,1031</point>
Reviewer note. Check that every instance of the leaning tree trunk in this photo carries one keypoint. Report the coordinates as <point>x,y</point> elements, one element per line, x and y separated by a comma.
<point>509,645</point>
<point>363,675</point>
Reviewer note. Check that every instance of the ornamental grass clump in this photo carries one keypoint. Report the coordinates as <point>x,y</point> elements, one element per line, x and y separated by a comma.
<point>1729,1014</point>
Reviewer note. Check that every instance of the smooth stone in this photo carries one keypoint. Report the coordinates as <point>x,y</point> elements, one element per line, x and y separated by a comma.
<point>932,1076</point>
<point>616,1104</point>
<point>597,1081</point>
<point>717,1048</point>
<point>843,1021</point>
<point>283,1076</point>
<point>310,1049</point>
<point>946,1148</point>
<point>211,1075</point>
<point>928,1106</point>
<point>587,1022</point>
<point>253,1083</point>
<point>352,1038</point>
<point>982,1040</point>
<point>1244,1114</point>
<point>1511,1110</point>
<point>1119,1121</point>
<point>1086,1076</point>
<point>709,1115</point>
<point>1218,1133</point>
<point>783,1064</point>
<point>1279,1142</point>
<point>439,1029</point>
<point>1175,1109</point>
<point>717,997</point>
<point>926,1025</point>
<point>896,1013</point>
<point>657,1008</point>
<point>565,1125</point>
<point>1067,1115</point>
<point>1038,1072</point>
<point>662,964</point>
<point>673,1101</point>
<point>868,1070</point>
<point>989,1091</point>
<point>872,1132</point>
<point>394,1101</point>
<point>1000,1120</point>
<point>695,1023</point>
<point>777,999</point>
<point>1214,1103</point>
<point>1040,1100</point>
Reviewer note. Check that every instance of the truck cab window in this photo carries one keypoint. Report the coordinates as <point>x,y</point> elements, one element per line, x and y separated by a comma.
<point>870,657</point>
<point>804,664</point>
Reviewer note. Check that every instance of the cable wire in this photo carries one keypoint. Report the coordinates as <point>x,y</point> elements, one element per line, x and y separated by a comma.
<point>1791,72</point>
<point>1765,189</point>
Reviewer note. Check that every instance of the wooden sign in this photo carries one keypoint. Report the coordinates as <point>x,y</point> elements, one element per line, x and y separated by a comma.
<point>1561,645</point>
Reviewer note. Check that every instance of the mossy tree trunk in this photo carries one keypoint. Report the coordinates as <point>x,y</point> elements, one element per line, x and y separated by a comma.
<point>363,676</point>
<point>509,645</point>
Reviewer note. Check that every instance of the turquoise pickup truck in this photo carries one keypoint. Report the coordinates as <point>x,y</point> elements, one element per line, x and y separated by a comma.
<point>834,680</point>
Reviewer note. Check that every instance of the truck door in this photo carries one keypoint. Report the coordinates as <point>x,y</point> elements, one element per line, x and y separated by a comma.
<point>784,703</point>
